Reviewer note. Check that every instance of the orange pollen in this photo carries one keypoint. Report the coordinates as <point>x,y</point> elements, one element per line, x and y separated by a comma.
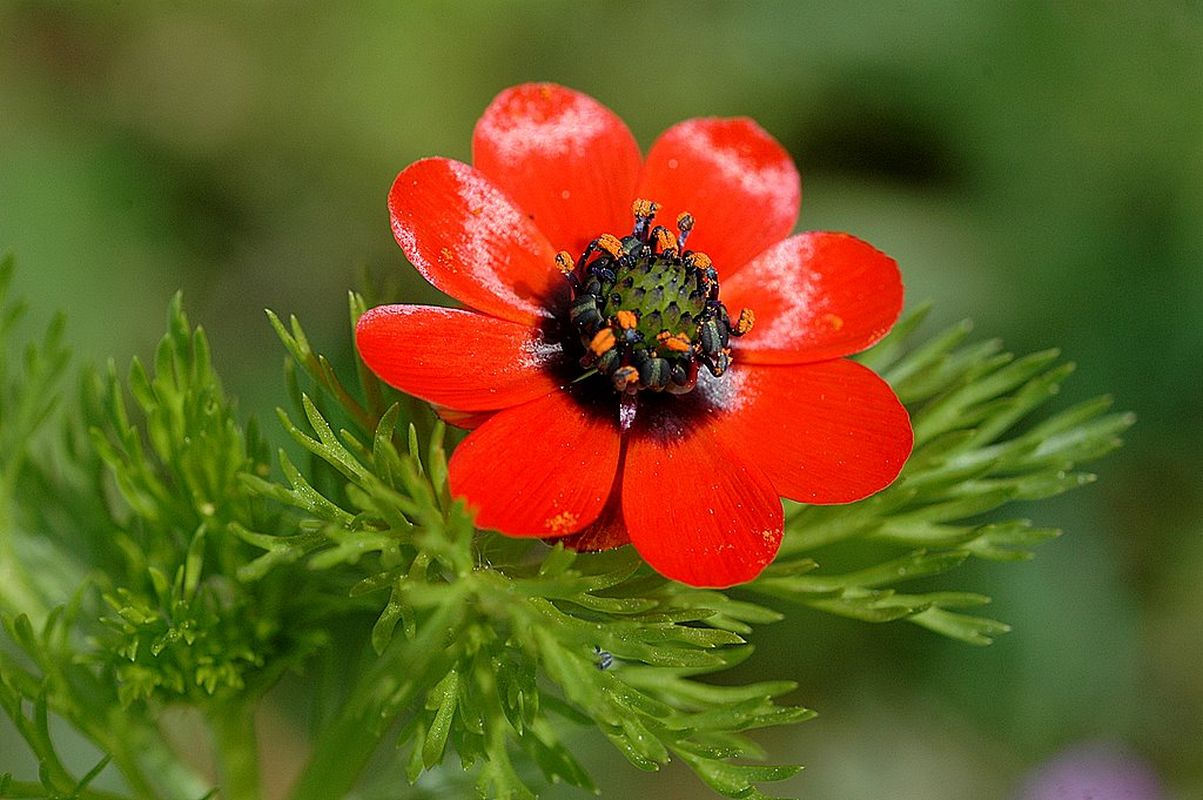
<point>745,322</point>
<point>564,262</point>
<point>644,208</point>
<point>611,244</point>
<point>700,260</point>
<point>603,341</point>
<point>626,319</point>
<point>677,342</point>
<point>665,240</point>
<point>625,376</point>
<point>685,221</point>
<point>722,367</point>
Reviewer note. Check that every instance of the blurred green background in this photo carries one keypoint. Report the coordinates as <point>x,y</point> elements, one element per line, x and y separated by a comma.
<point>1036,167</point>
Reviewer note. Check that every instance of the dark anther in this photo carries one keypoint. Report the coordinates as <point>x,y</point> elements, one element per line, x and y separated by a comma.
<point>584,315</point>
<point>710,334</point>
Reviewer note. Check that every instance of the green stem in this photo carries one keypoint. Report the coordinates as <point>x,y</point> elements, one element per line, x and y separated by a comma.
<point>17,595</point>
<point>381,695</point>
<point>139,751</point>
<point>20,789</point>
<point>133,775</point>
<point>237,751</point>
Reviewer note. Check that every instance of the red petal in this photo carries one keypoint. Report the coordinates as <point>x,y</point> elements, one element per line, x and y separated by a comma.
<point>739,184</point>
<point>830,432</point>
<point>454,358</point>
<point>565,159</point>
<point>697,511</point>
<point>540,469</point>
<point>467,238</point>
<point>467,420</point>
<point>816,296</point>
<point>606,532</point>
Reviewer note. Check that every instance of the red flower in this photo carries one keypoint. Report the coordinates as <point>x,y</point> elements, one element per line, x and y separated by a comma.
<point>615,398</point>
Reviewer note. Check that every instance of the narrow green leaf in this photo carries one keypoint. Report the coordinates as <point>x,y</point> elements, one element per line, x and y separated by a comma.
<point>443,698</point>
<point>969,629</point>
<point>194,564</point>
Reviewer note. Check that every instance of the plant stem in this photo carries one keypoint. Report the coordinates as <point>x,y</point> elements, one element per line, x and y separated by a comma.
<point>19,789</point>
<point>237,751</point>
<point>381,695</point>
<point>17,595</point>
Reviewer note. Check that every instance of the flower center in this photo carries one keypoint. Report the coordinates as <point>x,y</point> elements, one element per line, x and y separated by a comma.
<point>647,310</point>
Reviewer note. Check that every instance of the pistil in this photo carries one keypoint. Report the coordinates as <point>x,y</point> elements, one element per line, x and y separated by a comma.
<point>647,310</point>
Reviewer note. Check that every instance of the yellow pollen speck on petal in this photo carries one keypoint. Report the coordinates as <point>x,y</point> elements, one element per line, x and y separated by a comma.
<point>745,322</point>
<point>445,254</point>
<point>611,244</point>
<point>700,260</point>
<point>476,212</point>
<point>602,341</point>
<point>834,320</point>
<point>564,261</point>
<point>545,90</point>
<point>564,522</point>
<point>626,319</point>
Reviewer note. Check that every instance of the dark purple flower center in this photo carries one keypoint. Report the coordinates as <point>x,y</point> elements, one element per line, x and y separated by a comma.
<point>647,311</point>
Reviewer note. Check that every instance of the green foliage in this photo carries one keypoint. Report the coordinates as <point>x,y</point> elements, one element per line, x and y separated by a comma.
<point>28,395</point>
<point>973,454</point>
<point>128,519</point>
<point>47,677</point>
<point>169,631</point>
<point>491,683</point>
<point>185,573</point>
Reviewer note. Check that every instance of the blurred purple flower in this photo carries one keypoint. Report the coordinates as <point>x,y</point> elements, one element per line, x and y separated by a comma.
<point>1093,772</point>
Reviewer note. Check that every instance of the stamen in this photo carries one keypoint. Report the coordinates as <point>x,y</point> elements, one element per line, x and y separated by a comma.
<point>684,225</point>
<point>745,322</point>
<point>665,240</point>
<point>625,378</point>
<point>677,342</point>
<point>647,312</point>
<point>710,335</point>
<point>567,268</point>
<point>611,244</point>
<point>720,365</point>
<point>644,211</point>
<point>644,208</point>
<point>602,342</point>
